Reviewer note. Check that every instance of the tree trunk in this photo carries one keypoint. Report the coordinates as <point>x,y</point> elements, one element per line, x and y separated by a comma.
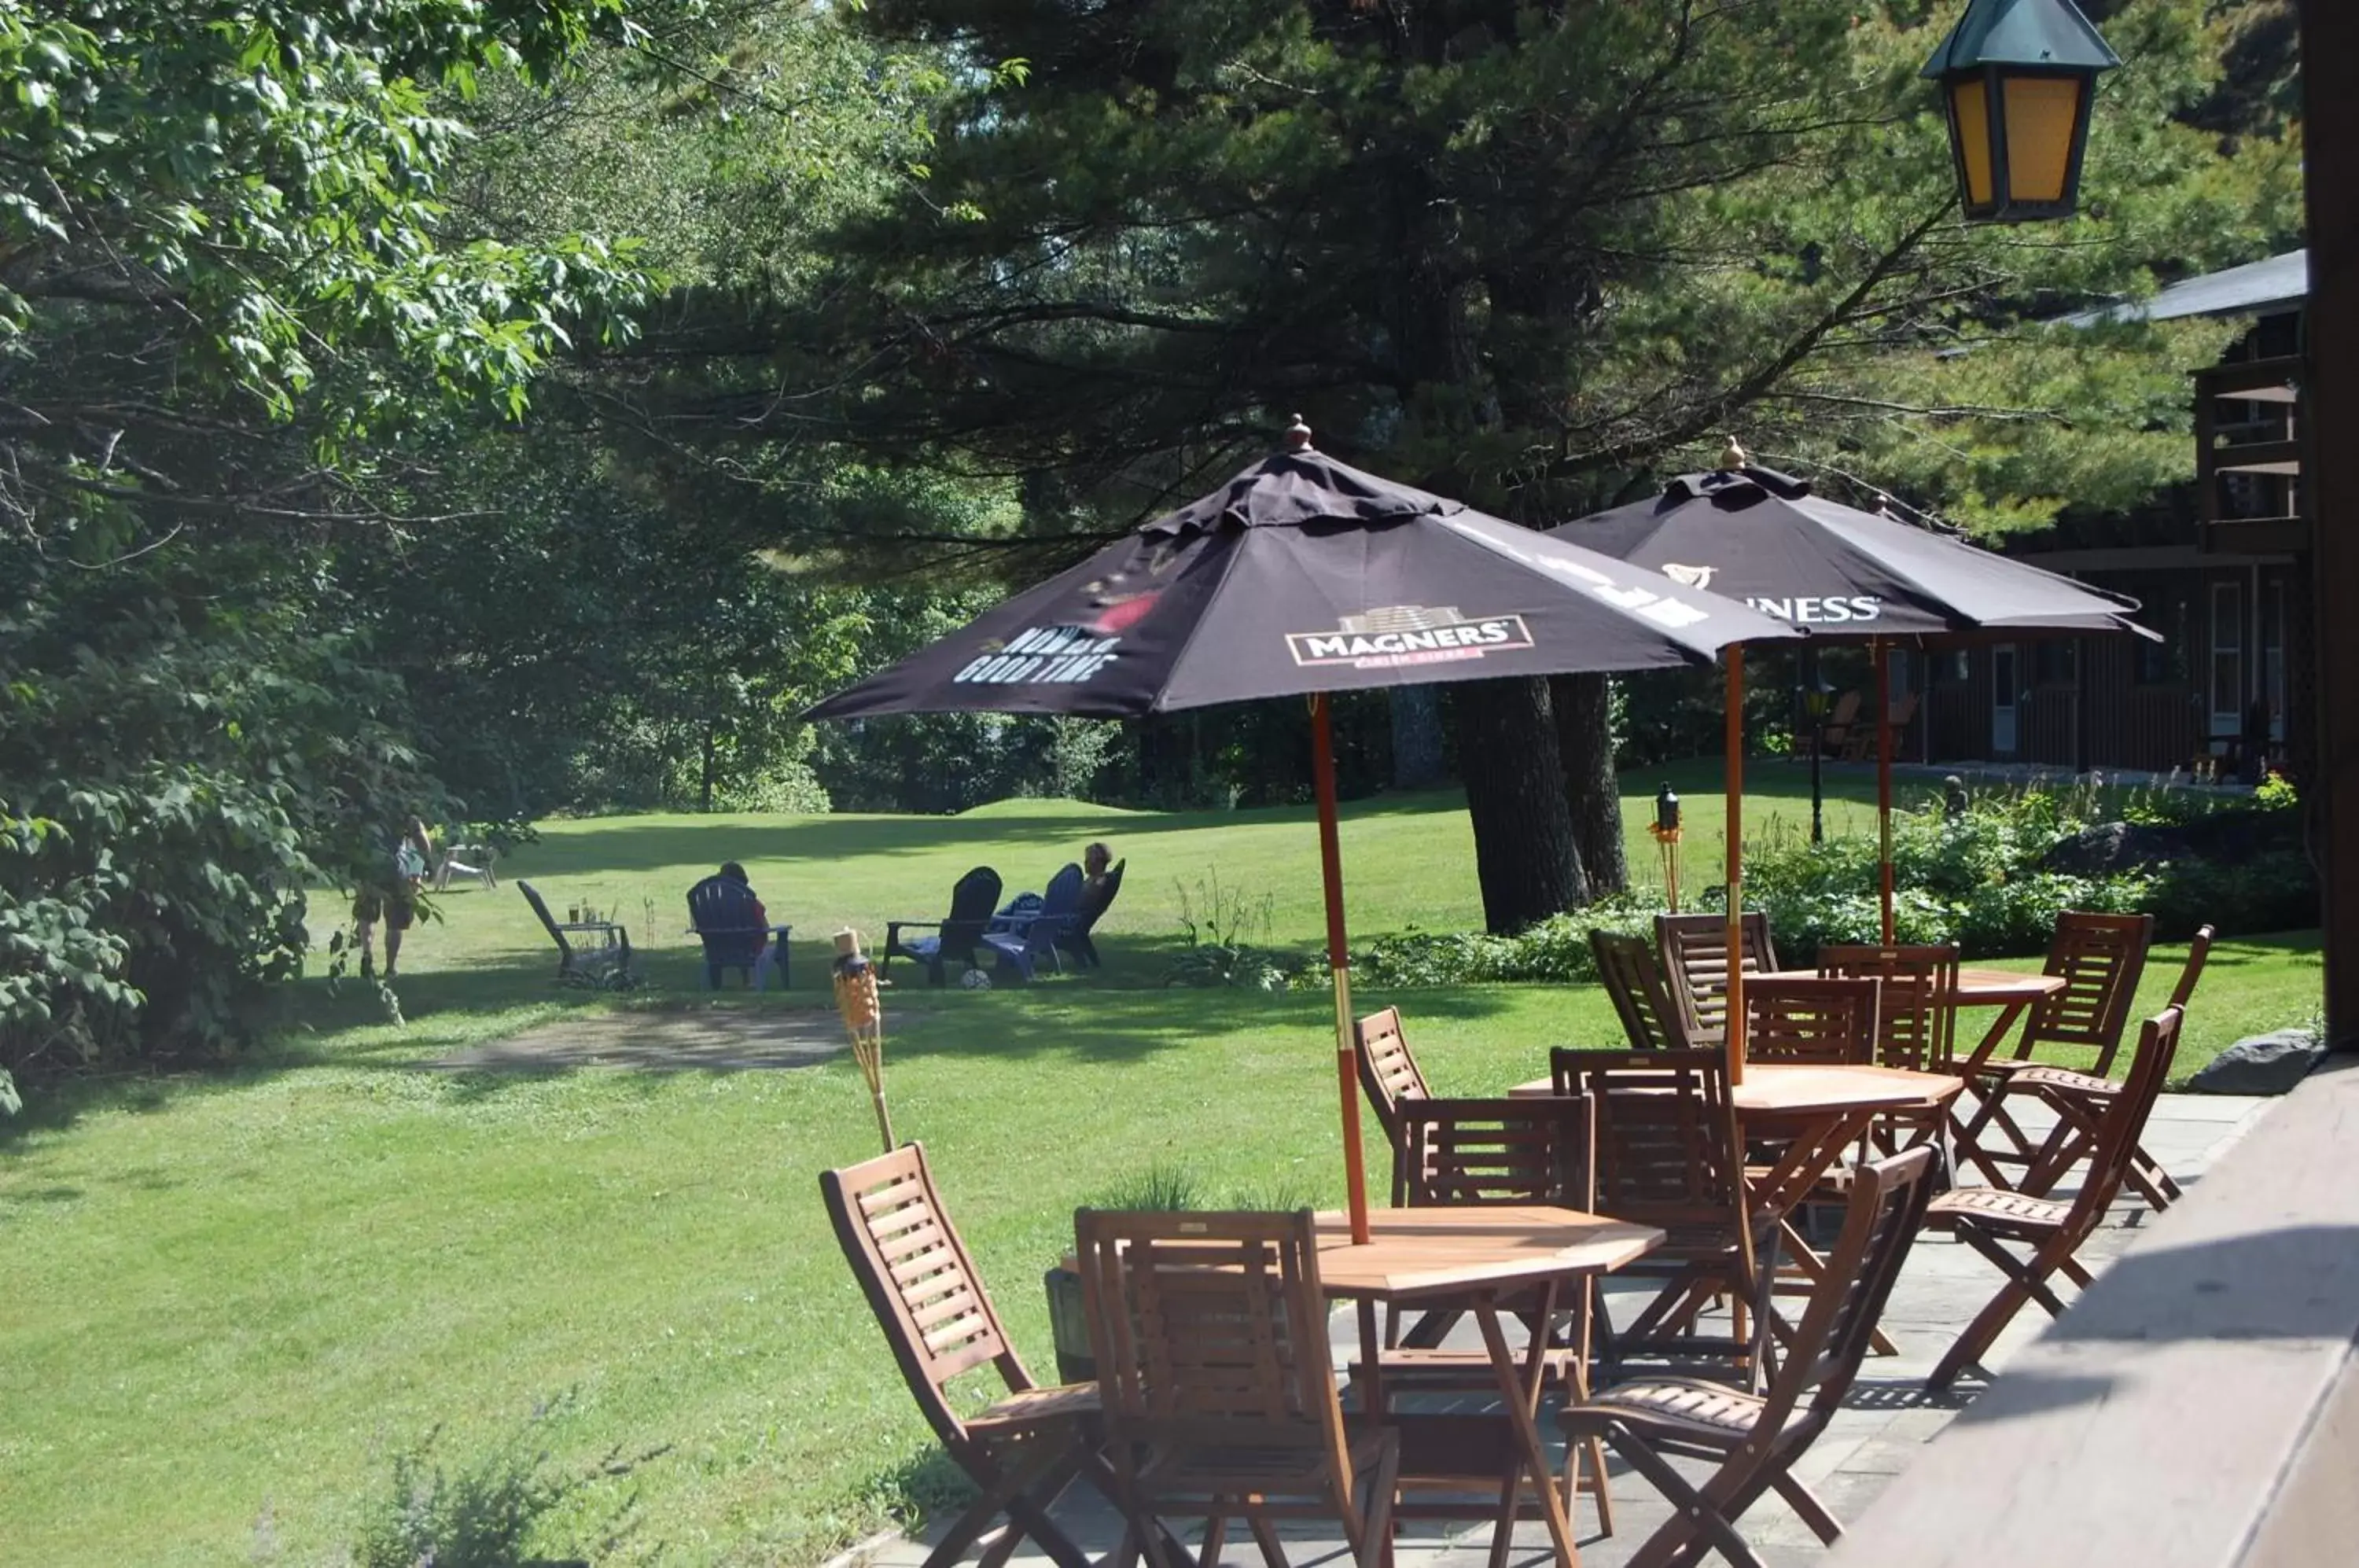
<point>1417,737</point>
<point>1524,851</point>
<point>1584,742</point>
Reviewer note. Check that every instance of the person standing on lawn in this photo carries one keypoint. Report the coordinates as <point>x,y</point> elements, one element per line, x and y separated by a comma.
<point>392,896</point>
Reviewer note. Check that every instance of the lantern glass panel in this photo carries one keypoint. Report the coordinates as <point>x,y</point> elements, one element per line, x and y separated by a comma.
<point>1969,121</point>
<point>2040,116</point>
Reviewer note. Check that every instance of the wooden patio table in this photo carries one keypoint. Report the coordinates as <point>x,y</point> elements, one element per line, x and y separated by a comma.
<point>2012,993</point>
<point>1474,1257</point>
<point>1813,1113</point>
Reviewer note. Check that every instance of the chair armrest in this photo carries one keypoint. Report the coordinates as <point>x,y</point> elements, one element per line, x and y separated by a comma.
<point>893,928</point>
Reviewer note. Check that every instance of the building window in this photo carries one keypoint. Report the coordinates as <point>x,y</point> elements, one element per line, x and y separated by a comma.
<point>2227,658</point>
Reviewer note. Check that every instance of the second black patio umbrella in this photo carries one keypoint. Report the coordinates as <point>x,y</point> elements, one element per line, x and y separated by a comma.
<point>1303,575</point>
<point>1841,573</point>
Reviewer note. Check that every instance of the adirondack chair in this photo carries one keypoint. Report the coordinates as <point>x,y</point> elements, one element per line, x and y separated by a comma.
<point>956,934</point>
<point>726,916</point>
<point>604,966</point>
<point>1024,941</point>
<point>1096,899</point>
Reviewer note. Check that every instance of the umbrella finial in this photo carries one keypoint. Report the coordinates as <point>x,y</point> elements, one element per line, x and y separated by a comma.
<point>1298,435</point>
<point>1733,456</point>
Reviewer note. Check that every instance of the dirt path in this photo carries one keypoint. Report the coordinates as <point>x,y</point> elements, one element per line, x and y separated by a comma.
<point>716,1040</point>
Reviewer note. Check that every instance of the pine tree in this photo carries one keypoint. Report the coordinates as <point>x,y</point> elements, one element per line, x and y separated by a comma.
<point>1528,254</point>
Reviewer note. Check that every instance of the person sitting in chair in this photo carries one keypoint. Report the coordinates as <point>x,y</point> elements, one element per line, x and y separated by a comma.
<point>736,873</point>
<point>1095,860</point>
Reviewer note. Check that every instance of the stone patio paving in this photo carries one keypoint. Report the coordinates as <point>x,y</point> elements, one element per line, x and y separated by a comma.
<point>1887,1416</point>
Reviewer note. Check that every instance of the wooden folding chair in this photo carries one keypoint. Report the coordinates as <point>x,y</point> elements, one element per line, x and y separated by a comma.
<point>1502,1151</point>
<point>1757,1438</point>
<point>2080,1100</point>
<point>1667,1155</point>
<point>1024,1449</point>
<point>2101,958</point>
<point>1218,1384</point>
<point>1991,1220</point>
<point>1815,1022</point>
<point>1917,1027</point>
<point>1695,955</point>
<point>1388,1071</point>
<point>1655,1015</point>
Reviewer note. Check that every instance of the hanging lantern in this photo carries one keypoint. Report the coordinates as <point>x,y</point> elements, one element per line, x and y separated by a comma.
<point>2017,79</point>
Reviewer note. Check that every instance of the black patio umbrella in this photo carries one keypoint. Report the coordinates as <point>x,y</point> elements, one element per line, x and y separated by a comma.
<point>1305,575</point>
<point>1838,572</point>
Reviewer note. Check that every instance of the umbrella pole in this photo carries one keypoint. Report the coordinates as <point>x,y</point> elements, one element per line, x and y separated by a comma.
<point>1883,780</point>
<point>1735,854</point>
<point>1339,963</point>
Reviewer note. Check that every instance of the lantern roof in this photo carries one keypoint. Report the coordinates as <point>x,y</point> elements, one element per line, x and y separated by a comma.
<point>2022,32</point>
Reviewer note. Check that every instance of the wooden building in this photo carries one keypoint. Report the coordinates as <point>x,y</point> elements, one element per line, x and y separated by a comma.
<point>2221,568</point>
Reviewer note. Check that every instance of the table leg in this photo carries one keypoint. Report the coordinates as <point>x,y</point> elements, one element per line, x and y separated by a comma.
<point>1372,1349</point>
<point>1526,1432</point>
<point>1812,1151</point>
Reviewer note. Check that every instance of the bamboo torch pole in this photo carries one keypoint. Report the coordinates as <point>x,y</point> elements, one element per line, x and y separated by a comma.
<point>864,1020</point>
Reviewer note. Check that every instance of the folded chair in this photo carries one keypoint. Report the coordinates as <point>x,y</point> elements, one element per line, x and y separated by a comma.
<point>2101,958</point>
<point>1995,1222</point>
<point>1217,1382</point>
<point>1756,1438</point>
<point>1460,1153</point>
<point>1667,1155</point>
<point>1022,1450</point>
<point>1656,1014</point>
<point>2081,1099</point>
<point>1695,956</point>
<point>1097,897</point>
<point>956,934</point>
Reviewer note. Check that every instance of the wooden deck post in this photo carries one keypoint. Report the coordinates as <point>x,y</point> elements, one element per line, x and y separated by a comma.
<point>2330,39</point>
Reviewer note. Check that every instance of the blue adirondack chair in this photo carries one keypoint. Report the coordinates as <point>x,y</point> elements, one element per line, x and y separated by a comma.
<point>721,910</point>
<point>1095,900</point>
<point>956,934</point>
<point>1026,939</point>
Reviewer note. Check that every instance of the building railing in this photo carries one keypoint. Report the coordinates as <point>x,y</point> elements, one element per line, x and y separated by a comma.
<point>2248,427</point>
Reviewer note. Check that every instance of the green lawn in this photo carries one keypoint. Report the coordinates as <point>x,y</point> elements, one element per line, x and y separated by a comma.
<point>230,1298</point>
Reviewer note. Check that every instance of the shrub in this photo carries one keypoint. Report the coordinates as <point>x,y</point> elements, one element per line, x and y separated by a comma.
<point>484,1512</point>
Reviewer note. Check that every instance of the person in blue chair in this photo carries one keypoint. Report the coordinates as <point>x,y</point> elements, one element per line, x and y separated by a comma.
<point>737,919</point>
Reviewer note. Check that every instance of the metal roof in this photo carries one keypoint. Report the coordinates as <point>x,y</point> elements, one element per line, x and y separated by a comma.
<point>2256,288</point>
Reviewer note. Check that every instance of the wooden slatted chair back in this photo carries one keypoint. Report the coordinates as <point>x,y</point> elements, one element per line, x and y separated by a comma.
<point>919,1281</point>
<point>2123,1122</point>
<point>1498,1151</point>
<point>1885,1212</point>
<point>1209,1333</point>
<point>2101,958</point>
<point>1917,1025</point>
<point>1665,1139</point>
<point>2197,951</point>
<point>1816,1022</point>
<point>1388,1072</point>
<point>1654,1015</point>
<point>1695,954</point>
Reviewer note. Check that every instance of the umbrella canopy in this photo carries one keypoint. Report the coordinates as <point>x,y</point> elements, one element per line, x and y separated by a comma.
<point>1303,574</point>
<point>1838,572</point>
<point>1760,536</point>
